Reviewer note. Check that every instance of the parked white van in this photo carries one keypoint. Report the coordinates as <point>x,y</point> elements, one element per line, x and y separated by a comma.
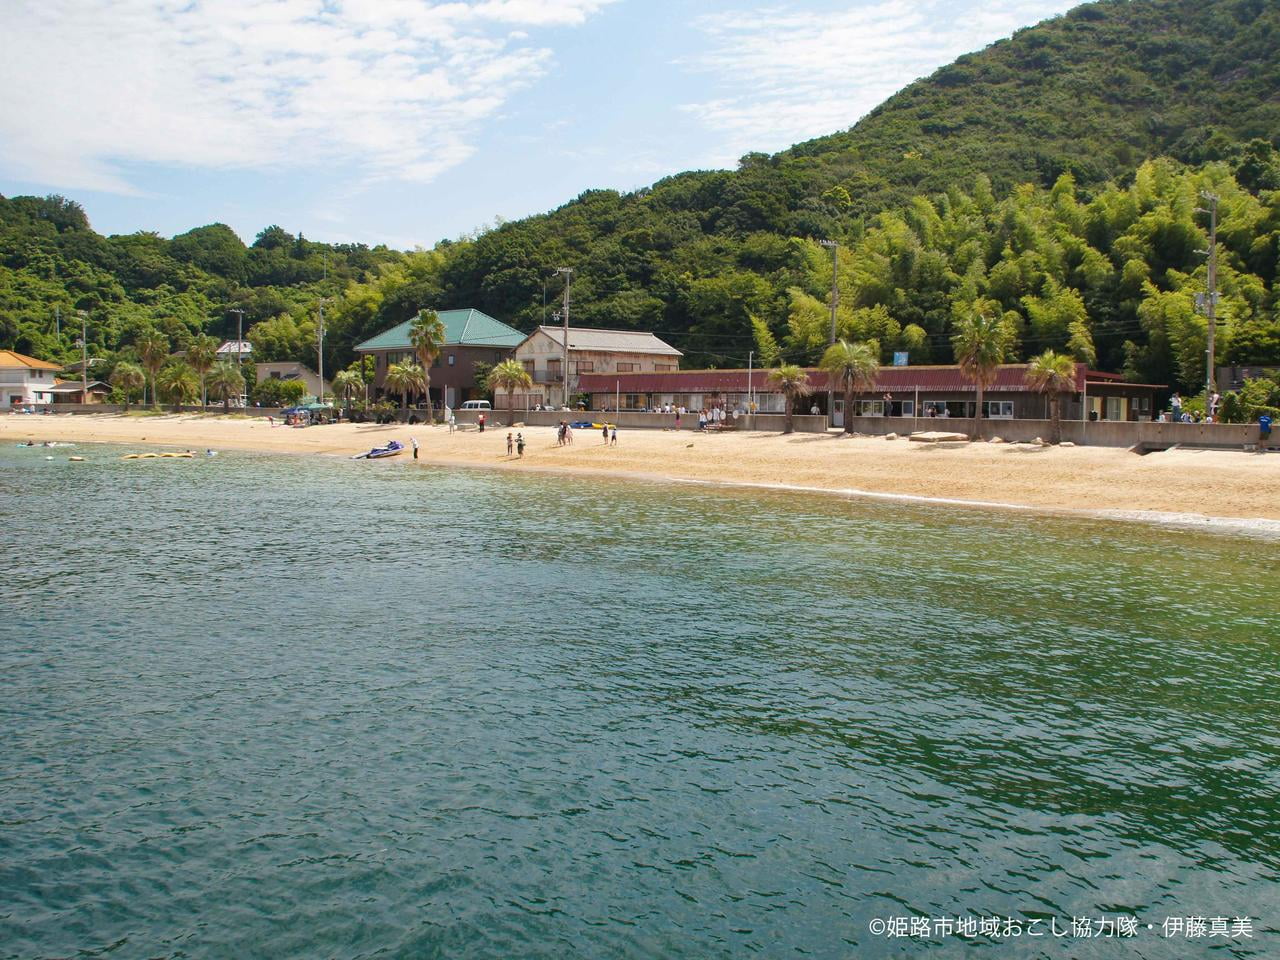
<point>476,405</point>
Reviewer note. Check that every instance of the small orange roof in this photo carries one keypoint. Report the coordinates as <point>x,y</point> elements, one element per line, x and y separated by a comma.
<point>11,358</point>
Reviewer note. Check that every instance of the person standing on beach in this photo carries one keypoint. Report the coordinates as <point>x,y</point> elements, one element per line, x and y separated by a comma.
<point>510,442</point>
<point>480,420</point>
<point>1264,432</point>
<point>604,432</point>
<point>568,433</point>
<point>453,423</point>
<point>414,441</point>
<point>613,439</point>
<point>520,444</point>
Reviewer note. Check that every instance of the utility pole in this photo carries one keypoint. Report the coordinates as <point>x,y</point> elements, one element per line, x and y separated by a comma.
<point>835,303</point>
<point>320,346</point>
<point>84,356</point>
<point>1209,302</point>
<point>240,345</point>
<point>57,320</point>
<point>751,357</point>
<point>568,276</point>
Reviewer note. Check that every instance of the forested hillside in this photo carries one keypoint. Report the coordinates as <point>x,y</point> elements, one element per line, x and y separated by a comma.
<point>1054,178</point>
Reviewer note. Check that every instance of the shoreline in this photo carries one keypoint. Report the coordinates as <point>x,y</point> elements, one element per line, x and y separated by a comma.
<point>1207,490</point>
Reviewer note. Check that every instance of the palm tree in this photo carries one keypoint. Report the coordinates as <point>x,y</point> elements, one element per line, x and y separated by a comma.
<point>794,384</point>
<point>226,381</point>
<point>427,334</point>
<point>128,377</point>
<point>1053,374</point>
<point>980,344</point>
<point>153,348</point>
<point>179,383</point>
<point>509,375</point>
<point>346,383</point>
<point>855,365</point>
<point>403,377</point>
<point>202,353</point>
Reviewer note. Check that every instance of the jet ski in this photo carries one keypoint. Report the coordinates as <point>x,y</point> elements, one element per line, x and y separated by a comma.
<point>392,449</point>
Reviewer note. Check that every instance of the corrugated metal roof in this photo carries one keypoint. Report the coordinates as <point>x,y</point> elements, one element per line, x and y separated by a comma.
<point>74,386</point>
<point>11,358</point>
<point>462,328</point>
<point>1010,378</point>
<point>611,341</point>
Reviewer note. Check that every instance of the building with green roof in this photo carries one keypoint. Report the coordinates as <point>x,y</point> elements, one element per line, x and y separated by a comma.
<point>471,337</point>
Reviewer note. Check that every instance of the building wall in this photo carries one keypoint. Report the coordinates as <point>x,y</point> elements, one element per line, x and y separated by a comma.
<point>543,358</point>
<point>24,383</point>
<point>452,381</point>
<point>293,371</point>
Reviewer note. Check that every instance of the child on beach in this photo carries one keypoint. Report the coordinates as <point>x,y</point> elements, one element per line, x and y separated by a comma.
<point>613,439</point>
<point>414,441</point>
<point>510,442</point>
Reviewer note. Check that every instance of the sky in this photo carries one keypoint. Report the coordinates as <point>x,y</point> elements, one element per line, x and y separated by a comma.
<point>406,122</point>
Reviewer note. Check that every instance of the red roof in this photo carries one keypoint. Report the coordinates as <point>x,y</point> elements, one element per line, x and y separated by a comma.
<point>1010,378</point>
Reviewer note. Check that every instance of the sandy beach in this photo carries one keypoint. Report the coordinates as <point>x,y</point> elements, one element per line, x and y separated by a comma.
<point>1185,484</point>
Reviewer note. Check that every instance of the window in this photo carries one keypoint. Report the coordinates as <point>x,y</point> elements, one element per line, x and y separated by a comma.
<point>275,374</point>
<point>528,366</point>
<point>998,409</point>
<point>632,401</point>
<point>664,367</point>
<point>451,359</point>
<point>628,367</point>
<point>1115,408</point>
<point>871,408</point>
<point>583,366</point>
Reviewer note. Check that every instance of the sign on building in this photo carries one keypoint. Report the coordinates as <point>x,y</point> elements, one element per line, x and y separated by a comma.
<point>900,358</point>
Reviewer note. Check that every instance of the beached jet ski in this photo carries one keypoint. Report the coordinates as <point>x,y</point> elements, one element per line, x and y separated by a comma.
<point>392,449</point>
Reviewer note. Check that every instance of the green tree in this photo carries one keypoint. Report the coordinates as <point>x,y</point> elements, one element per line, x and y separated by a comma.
<point>1052,374</point>
<point>225,381</point>
<point>510,375</point>
<point>793,382</point>
<point>979,344</point>
<point>128,377</point>
<point>427,334</point>
<point>346,383</point>
<point>179,383</point>
<point>202,353</point>
<point>855,366</point>
<point>153,348</point>
<point>402,378</point>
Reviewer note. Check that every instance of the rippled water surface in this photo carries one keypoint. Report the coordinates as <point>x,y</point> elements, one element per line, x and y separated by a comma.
<point>285,707</point>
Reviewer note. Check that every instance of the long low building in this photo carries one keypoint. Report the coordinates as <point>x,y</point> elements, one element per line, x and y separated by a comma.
<point>923,391</point>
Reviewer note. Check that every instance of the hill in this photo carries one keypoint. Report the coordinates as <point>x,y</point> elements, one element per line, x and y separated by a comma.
<point>1023,178</point>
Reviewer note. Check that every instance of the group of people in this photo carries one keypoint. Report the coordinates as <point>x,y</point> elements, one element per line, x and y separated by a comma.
<point>564,434</point>
<point>1175,413</point>
<point>516,444</point>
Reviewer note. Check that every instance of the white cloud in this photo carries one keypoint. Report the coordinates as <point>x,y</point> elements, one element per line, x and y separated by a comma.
<point>397,88</point>
<point>789,75</point>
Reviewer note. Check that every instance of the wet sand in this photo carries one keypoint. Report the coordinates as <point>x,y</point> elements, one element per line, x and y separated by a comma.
<point>1180,485</point>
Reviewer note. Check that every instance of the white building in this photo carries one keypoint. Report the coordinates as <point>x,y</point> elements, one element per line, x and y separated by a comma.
<point>25,381</point>
<point>591,351</point>
<point>236,350</point>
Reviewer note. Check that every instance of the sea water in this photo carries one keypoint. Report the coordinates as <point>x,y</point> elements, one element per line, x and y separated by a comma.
<point>305,707</point>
